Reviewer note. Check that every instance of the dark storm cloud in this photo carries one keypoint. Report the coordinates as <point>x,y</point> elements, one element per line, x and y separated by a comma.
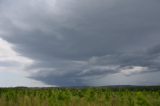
<point>97,67</point>
<point>73,41</point>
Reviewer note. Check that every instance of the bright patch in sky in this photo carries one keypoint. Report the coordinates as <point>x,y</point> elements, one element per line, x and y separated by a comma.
<point>12,67</point>
<point>133,70</point>
<point>10,58</point>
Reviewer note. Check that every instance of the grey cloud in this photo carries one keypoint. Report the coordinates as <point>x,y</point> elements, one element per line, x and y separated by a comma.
<point>80,38</point>
<point>97,67</point>
<point>8,63</point>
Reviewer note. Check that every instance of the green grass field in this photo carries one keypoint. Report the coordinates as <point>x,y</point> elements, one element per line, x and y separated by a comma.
<point>141,96</point>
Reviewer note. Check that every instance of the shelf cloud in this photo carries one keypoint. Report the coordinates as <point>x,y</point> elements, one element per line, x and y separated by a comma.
<point>73,43</point>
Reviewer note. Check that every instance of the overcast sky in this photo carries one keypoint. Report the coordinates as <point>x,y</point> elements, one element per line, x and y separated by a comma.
<point>79,42</point>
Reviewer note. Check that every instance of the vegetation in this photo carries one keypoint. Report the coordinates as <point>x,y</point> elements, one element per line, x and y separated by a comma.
<point>110,96</point>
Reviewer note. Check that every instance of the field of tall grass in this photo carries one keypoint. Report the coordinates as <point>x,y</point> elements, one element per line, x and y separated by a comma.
<point>79,97</point>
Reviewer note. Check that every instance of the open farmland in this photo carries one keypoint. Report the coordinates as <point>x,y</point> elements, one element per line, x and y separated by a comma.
<point>104,96</point>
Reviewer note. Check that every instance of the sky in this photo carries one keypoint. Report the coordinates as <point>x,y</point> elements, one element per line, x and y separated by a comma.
<point>79,42</point>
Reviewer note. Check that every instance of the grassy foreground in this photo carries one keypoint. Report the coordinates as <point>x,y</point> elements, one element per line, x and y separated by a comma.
<point>80,97</point>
